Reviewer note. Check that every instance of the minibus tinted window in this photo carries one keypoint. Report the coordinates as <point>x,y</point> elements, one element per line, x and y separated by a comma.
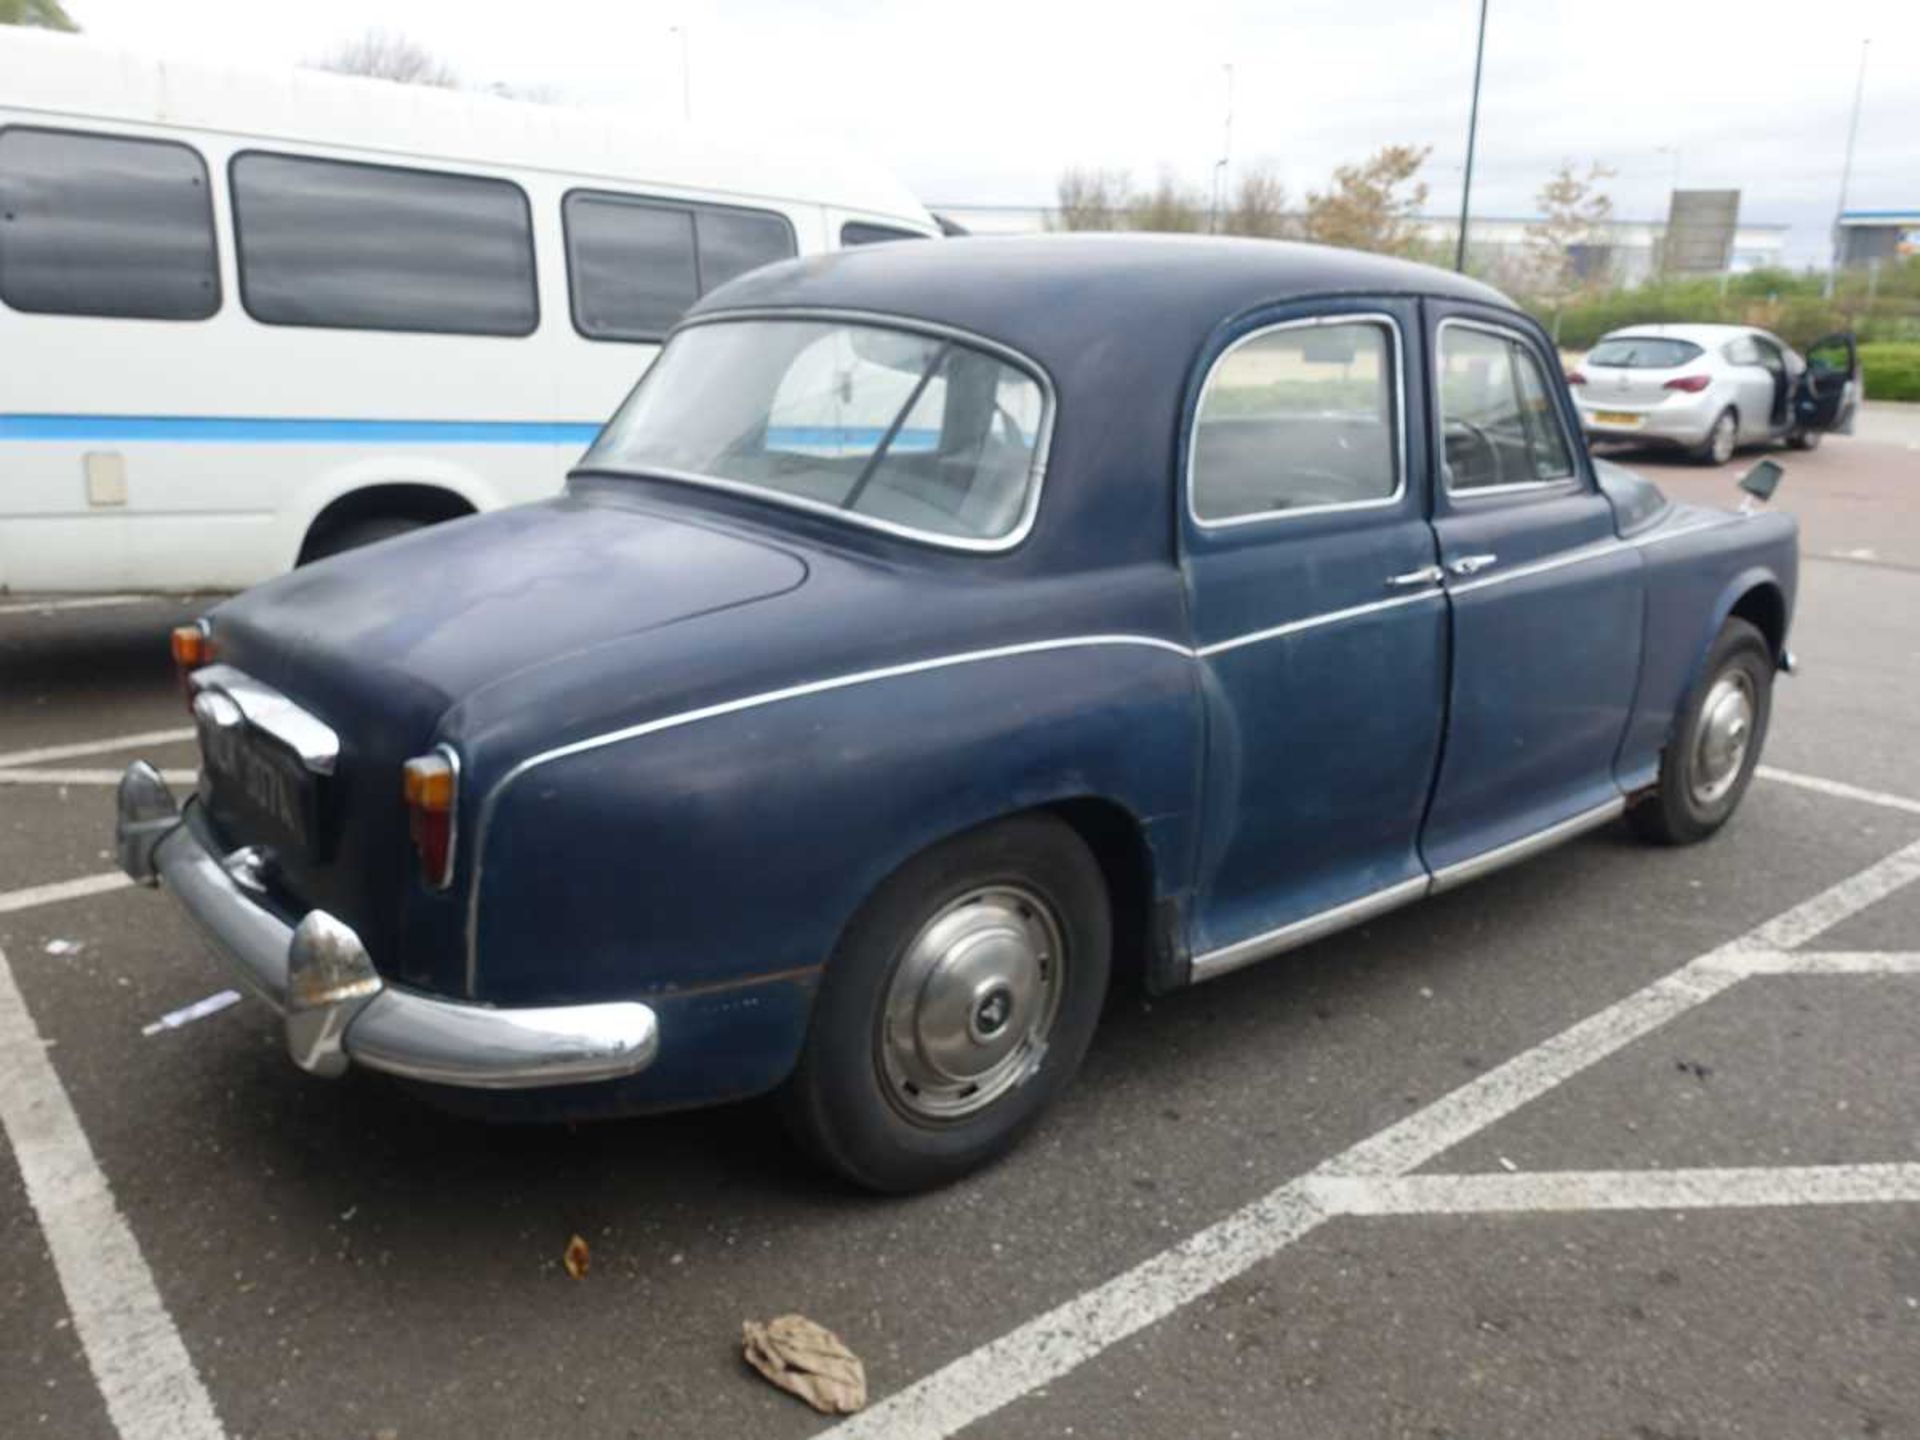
<point>97,225</point>
<point>634,266</point>
<point>859,232</point>
<point>373,247</point>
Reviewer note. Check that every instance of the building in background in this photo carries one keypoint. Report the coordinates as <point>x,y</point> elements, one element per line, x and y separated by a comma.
<point>1701,225</point>
<point>1623,251</point>
<point>1867,236</point>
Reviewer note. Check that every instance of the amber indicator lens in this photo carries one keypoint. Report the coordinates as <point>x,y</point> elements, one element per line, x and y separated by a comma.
<point>190,647</point>
<point>428,782</point>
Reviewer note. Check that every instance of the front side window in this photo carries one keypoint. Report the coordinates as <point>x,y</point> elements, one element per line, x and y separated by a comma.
<point>374,247</point>
<point>890,428</point>
<point>863,232</point>
<point>1302,417</point>
<point>1497,418</point>
<point>101,225</point>
<point>635,266</point>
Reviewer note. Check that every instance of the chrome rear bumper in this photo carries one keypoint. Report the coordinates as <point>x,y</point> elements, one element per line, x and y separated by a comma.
<point>338,1010</point>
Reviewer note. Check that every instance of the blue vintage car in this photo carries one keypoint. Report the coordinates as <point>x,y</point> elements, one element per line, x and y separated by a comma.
<point>939,634</point>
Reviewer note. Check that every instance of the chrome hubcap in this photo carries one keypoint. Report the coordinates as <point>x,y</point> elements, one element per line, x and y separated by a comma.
<point>1721,739</point>
<point>971,1003</point>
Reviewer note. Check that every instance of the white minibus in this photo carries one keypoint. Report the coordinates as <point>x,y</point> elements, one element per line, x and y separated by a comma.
<point>247,320</point>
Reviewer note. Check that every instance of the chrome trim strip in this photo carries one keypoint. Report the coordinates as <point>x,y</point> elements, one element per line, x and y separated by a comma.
<point>748,702</point>
<point>1391,325</point>
<point>1525,341</point>
<point>1301,932</point>
<point>1515,851</point>
<point>266,709</point>
<point>1311,622</point>
<point>1597,550</point>
<point>1026,364</point>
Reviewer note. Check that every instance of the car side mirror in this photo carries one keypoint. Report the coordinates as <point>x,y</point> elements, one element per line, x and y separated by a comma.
<point>1760,482</point>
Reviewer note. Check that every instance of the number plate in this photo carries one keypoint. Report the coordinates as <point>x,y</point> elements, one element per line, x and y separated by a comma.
<point>260,781</point>
<point>1617,417</point>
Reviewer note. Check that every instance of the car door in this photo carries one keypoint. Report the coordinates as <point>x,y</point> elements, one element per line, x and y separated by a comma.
<point>1772,415</point>
<point>1828,391</point>
<point>1319,620</point>
<point>1753,386</point>
<point>1546,602</point>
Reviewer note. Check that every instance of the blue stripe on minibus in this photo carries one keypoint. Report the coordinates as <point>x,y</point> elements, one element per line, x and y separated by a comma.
<point>294,430</point>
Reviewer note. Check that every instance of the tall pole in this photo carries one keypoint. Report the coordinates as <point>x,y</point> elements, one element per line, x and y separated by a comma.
<point>1473,127</point>
<point>1846,167</point>
<point>1220,166</point>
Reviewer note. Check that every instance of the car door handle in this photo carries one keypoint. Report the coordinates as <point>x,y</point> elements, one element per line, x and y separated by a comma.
<point>1471,564</point>
<point>1425,575</point>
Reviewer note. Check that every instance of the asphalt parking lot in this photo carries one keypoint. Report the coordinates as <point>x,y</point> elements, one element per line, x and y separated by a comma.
<point>1620,1143</point>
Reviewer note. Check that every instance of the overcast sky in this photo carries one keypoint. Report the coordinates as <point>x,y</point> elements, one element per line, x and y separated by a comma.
<point>986,101</point>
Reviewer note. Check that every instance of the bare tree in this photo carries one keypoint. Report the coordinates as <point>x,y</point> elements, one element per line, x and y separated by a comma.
<point>386,55</point>
<point>1260,206</point>
<point>1372,205</point>
<point>1091,200</point>
<point>41,14</point>
<point>1575,211</point>
<point>1171,207</point>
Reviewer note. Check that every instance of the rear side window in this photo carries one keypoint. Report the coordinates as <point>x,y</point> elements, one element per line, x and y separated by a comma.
<point>634,266</point>
<point>860,232</point>
<point>1643,352</point>
<point>1302,417</point>
<point>375,247</point>
<point>1497,419</point>
<point>100,225</point>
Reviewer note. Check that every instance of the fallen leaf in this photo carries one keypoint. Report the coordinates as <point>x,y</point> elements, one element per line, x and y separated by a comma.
<point>576,1258</point>
<point>807,1360</point>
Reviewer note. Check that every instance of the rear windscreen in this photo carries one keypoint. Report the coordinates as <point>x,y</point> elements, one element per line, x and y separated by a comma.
<point>1643,353</point>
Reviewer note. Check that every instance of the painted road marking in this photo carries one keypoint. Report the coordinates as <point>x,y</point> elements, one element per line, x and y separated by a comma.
<point>138,1360</point>
<point>1619,1190</point>
<point>78,602</point>
<point>1052,1344</point>
<point>88,777</point>
<point>1823,962</point>
<point>21,758</point>
<point>1838,789</point>
<point>34,895</point>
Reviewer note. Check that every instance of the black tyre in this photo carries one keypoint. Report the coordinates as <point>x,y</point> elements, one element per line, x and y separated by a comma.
<point>1716,742</point>
<point>355,533</point>
<point>957,1005</point>
<point>1717,448</point>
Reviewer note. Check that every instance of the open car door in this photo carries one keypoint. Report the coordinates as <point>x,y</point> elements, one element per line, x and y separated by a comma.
<point>1829,389</point>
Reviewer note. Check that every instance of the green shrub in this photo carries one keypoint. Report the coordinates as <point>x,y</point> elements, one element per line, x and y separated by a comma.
<point>1892,370</point>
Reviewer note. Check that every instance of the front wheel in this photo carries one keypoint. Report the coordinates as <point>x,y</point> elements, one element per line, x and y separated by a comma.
<point>1804,440</point>
<point>956,1006</point>
<point>1716,742</point>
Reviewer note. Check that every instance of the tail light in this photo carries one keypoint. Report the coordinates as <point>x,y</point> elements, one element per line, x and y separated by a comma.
<point>192,647</point>
<point>1692,384</point>
<point>1576,377</point>
<point>431,784</point>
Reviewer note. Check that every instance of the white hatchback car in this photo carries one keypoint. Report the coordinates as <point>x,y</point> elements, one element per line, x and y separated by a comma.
<point>1708,388</point>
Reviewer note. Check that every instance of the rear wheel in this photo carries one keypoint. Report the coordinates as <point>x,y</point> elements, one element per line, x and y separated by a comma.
<point>1716,742</point>
<point>1717,448</point>
<point>957,1005</point>
<point>355,533</point>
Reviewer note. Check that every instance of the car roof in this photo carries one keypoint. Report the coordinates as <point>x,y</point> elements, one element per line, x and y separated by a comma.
<point>1698,334</point>
<point>1049,296</point>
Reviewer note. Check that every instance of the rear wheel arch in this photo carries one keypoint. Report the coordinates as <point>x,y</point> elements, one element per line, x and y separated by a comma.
<point>368,507</point>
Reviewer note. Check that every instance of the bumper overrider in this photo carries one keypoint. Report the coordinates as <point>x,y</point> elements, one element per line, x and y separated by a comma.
<point>337,1009</point>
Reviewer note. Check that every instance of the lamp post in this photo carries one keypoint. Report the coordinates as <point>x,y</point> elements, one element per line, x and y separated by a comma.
<point>1846,167</point>
<point>1473,126</point>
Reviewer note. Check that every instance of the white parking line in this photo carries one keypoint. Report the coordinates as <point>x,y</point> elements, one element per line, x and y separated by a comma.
<point>138,1360</point>
<point>1048,1346</point>
<point>20,758</point>
<point>1838,789</point>
<point>1619,1190</point>
<point>75,602</point>
<point>87,777</point>
<point>1823,962</point>
<point>34,895</point>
